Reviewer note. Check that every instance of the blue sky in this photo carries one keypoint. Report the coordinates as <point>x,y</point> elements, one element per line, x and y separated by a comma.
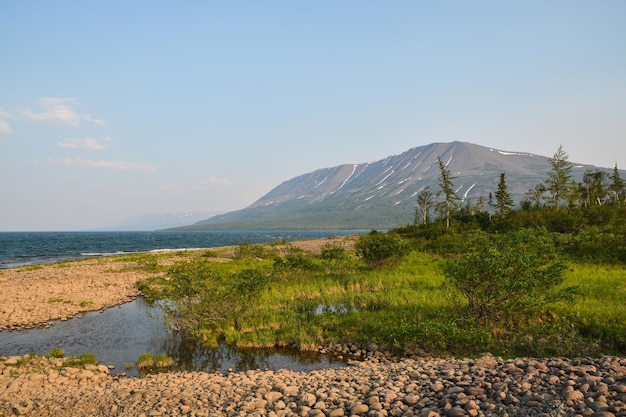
<point>115,109</point>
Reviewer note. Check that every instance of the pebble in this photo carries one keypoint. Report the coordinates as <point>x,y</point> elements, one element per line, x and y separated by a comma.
<point>419,387</point>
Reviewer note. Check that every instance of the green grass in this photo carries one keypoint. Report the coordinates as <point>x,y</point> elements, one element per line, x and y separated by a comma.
<point>602,293</point>
<point>58,300</point>
<point>83,359</point>
<point>146,360</point>
<point>56,353</point>
<point>306,302</point>
<point>148,363</point>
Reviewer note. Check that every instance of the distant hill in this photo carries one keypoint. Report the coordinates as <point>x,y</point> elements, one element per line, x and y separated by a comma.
<point>160,221</point>
<point>382,194</point>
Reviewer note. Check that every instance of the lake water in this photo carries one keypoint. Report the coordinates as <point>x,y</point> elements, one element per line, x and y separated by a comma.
<point>119,335</point>
<point>29,248</point>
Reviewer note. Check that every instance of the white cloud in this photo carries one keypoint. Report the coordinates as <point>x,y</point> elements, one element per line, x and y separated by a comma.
<point>57,115</point>
<point>95,120</point>
<point>111,165</point>
<point>89,144</point>
<point>54,101</point>
<point>5,129</point>
<point>60,112</point>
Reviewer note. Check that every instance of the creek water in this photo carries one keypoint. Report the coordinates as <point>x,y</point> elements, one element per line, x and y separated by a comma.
<point>118,336</point>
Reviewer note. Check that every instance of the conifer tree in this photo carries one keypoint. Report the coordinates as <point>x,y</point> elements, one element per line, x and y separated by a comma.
<point>559,184</point>
<point>451,200</point>
<point>504,202</point>
<point>617,188</point>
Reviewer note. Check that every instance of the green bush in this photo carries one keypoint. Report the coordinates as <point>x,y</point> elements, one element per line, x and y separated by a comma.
<point>248,250</point>
<point>380,250</point>
<point>333,251</point>
<point>511,279</point>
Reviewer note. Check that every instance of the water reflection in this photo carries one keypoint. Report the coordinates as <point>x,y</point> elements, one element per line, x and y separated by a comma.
<point>119,335</point>
<point>190,355</point>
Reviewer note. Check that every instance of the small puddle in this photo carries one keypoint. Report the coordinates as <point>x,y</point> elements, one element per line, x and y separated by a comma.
<point>319,309</point>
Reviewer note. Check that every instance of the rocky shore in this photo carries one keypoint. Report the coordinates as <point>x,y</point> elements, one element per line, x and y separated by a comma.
<point>375,387</point>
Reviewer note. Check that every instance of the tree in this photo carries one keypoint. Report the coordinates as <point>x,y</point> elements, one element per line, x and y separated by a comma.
<point>504,202</point>
<point>594,187</point>
<point>532,198</point>
<point>451,200</point>
<point>559,184</point>
<point>617,188</point>
<point>424,203</point>
<point>379,250</point>
<point>509,279</point>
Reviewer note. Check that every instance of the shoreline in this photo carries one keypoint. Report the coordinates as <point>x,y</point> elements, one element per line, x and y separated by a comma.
<point>35,295</point>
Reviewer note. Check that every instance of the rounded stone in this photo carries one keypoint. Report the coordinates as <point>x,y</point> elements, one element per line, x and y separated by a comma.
<point>359,408</point>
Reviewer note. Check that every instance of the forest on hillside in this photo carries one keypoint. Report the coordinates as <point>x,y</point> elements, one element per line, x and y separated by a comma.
<point>585,220</point>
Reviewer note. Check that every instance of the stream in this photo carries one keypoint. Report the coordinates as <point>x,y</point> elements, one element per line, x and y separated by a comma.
<point>118,336</point>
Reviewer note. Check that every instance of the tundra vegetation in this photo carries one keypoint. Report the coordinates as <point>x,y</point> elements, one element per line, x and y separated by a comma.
<point>543,279</point>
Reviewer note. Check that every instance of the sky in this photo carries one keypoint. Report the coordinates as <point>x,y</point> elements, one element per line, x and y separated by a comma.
<point>116,109</point>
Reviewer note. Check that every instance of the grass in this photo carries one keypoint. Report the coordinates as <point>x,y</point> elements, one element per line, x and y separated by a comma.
<point>30,268</point>
<point>146,360</point>
<point>58,300</point>
<point>602,293</point>
<point>56,353</point>
<point>83,359</point>
<point>148,363</point>
<point>307,302</point>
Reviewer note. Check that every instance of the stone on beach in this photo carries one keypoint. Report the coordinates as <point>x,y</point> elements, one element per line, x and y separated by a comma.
<point>408,387</point>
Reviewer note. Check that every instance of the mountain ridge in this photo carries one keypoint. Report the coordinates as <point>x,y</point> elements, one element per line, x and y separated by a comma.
<point>381,194</point>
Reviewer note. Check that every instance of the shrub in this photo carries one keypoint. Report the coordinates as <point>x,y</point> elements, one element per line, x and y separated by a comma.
<point>510,279</point>
<point>248,251</point>
<point>380,250</point>
<point>333,251</point>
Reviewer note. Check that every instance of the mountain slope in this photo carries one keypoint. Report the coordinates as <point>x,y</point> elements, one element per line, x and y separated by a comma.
<point>382,194</point>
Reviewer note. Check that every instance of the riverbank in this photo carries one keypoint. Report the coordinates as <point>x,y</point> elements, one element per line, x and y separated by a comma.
<point>376,387</point>
<point>34,296</point>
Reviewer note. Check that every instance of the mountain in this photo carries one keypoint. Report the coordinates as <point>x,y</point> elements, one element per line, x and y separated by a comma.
<point>382,194</point>
<point>160,221</point>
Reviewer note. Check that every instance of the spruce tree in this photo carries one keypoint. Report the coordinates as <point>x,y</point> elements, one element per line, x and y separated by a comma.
<point>451,200</point>
<point>504,202</point>
<point>559,184</point>
<point>617,188</point>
